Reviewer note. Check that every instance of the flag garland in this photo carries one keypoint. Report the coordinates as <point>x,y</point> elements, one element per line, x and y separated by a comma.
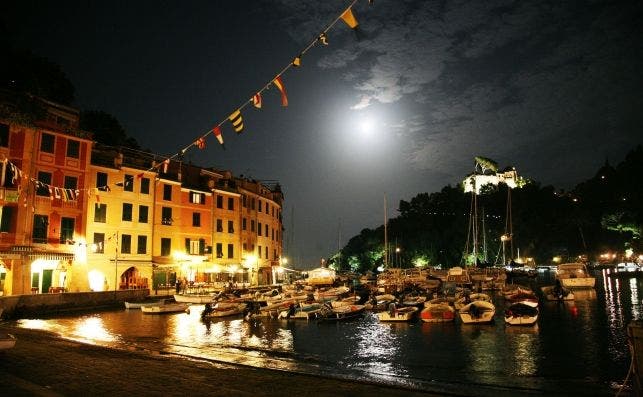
<point>280,85</point>
<point>237,121</point>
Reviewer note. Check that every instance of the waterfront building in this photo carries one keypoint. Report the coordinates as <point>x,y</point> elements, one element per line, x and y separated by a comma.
<point>44,173</point>
<point>80,216</point>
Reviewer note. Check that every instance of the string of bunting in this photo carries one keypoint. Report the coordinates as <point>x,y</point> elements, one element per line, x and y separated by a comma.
<point>236,118</point>
<point>12,172</point>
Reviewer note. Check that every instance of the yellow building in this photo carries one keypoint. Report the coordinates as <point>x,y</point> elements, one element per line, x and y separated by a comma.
<point>119,221</point>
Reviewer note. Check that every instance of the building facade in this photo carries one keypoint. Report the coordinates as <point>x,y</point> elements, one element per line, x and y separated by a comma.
<point>79,216</point>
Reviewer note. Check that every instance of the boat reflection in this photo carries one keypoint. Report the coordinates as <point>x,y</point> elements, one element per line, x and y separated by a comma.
<point>519,330</point>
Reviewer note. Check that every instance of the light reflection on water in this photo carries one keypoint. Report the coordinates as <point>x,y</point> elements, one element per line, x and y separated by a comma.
<point>546,357</point>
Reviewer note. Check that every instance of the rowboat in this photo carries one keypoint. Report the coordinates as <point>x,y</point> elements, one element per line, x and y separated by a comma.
<point>402,314</point>
<point>341,313</point>
<point>224,310</point>
<point>165,308</point>
<point>477,312</point>
<point>193,298</point>
<point>437,311</point>
<point>138,305</point>
<point>521,314</point>
<point>7,341</point>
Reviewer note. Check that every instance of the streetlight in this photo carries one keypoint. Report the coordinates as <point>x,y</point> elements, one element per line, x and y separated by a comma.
<point>397,256</point>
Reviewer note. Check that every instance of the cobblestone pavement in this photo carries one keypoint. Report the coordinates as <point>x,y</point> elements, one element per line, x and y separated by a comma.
<point>42,364</point>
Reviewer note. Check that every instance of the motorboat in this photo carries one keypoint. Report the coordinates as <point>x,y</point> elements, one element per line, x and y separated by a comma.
<point>165,308</point>
<point>437,311</point>
<point>193,298</point>
<point>574,275</point>
<point>347,312</point>
<point>304,311</point>
<point>521,314</point>
<point>557,293</point>
<point>402,314</point>
<point>223,309</point>
<point>468,298</point>
<point>477,312</point>
<point>139,304</point>
<point>7,341</point>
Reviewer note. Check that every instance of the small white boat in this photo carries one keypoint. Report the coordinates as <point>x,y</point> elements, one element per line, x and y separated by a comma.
<point>437,311</point>
<point>574,275</point>
<point>468,298</point>
<point>557,293</point>
<point>521,314</point>
<point>165,308</point>
<point>402,314</point>
<point>380,302</point>
<point>7,341</point>
<point>477,312</point>
<point>521,296</point>
<point>193,298</point>
<point>139,304</point>
<point>223,309</point>
<point>341,313</point>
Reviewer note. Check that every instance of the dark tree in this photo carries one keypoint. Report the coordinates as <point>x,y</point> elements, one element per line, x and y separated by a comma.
<point>106,129</point>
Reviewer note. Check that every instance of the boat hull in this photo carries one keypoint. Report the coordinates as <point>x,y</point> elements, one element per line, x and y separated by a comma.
<point>193,298</point>
<point>167,308</point>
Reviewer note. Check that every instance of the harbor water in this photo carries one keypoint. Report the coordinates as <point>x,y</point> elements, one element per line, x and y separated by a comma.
<point>578,347</point>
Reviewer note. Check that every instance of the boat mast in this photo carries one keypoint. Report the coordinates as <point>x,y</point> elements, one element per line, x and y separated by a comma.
<point>484,240</point>
<point>385,236</point>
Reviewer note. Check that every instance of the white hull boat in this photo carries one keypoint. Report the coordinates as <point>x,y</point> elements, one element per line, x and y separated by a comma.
<point>402,314</point>
<point>437,311</point>
<point>574,275</point>
<point>165,308</point>
<point>477,312</point>
<point>521,314</point>
<point>193,298</point>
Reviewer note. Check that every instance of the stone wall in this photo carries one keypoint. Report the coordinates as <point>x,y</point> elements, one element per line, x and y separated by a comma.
<point>24,306</point>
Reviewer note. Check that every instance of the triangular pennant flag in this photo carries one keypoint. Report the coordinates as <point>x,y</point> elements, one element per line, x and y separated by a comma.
<point>217,134</point>
<point>297,61</point>
<point>256,100</point>
<point>200,143</point>
<point>323,38</point>
<point>282,89</point>
<point>349,18</point>
<point>236,120</point>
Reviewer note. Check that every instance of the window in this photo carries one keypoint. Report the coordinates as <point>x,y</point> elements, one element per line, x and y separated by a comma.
<point>66,230</point>
<point>219,201</point>
<point>40,224</point>
<point>166,216</point>
<point>73,148</point>
<point>219,250</point>
<point>166,246</point>
<point>127,212</point>
<point>167,192</point>
<point>192,246</point>
<point>43,187</point>
<point>4,135</point>
<point>230,250</point>
<point>266,250</point>
<point>145,185</point>
<point>219,225</point>
<point>243,224</point>
<point>126,244</point>
<point>259,205</point>
<point>7,218</point>
<point>99,243</point>
<point>196,219</point>
<point>230,226</point>
<point>273,234</point>
<point>142,213</point>
<point>245,247</point>
<point>244,203</point>
<point>47,143</point>
<point>141,247</point>
<point>259,251</point>
<point>128,185</point>
<point>267,208</point>
<point>100,213</point>
<point>197,198</point>
<point>259,228</point>
<point>266,234</point>
<point>252,203</point>
<point>71,182</point>
<point>231,203</point>
<point>252,225</point>
<point>101,181</point>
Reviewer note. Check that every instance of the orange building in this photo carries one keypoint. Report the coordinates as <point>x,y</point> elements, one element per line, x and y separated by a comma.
<point>44,175</point>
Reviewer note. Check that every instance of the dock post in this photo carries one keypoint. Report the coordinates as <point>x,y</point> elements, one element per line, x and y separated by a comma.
<point>635,338</point>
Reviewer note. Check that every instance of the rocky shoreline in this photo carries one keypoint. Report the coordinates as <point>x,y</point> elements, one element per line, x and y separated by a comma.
<point>42,364</point>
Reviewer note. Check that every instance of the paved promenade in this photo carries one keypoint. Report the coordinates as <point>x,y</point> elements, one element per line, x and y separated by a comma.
<point>44,365</point>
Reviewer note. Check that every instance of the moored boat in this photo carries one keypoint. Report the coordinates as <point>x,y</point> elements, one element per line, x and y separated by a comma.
<point>341,313</point>
<point>193,298</point>
<point>574,275</point>
<point>165,308</point>
<point>437,311</point>
<point>557,293</point>
<point>477,312</point>
<point>521,314</point>
<point>7,341</point>
<point>223,309</point>
<point>139,304</point>
<point>406,313</point>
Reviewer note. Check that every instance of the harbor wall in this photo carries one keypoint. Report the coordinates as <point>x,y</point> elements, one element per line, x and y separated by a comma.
<point>24,306</point>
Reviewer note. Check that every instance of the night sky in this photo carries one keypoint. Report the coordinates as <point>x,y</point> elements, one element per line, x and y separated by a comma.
<point>553,88</point>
